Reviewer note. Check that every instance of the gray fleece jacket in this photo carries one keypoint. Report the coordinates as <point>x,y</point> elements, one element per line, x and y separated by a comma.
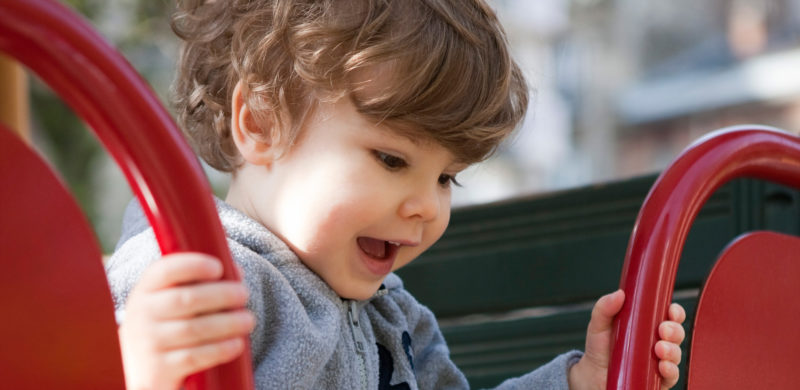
<point>306,336</point>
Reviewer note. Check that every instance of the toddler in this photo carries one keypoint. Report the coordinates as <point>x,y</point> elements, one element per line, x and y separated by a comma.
<point>344,125</point>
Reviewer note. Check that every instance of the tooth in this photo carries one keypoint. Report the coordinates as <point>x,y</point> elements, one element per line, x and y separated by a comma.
<point>394,243</point>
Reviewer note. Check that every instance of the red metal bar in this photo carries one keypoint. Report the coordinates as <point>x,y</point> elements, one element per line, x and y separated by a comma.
<point>660,231</point>
<point>97,82</point>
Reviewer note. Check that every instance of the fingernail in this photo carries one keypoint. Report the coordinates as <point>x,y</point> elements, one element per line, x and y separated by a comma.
<point>248,320</point>
<point>235,344</point>
<point>214,265</point>
<point>243,293</point>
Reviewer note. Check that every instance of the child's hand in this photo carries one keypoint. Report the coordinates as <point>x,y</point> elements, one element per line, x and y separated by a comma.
<point>175,326</point>
<point>592,370</point>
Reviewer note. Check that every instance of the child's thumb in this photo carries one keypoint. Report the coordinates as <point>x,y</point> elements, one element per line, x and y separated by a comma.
<point>604,311</point>
<point>598,334</point>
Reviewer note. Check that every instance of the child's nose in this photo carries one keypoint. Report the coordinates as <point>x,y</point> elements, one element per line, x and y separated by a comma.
<point>422,203</point>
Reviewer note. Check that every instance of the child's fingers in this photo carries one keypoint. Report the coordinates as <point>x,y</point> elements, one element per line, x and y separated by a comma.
<point>668,351</point>
<point>180,268</point>
<point>677,313</point>
<point>191,360</point>
<point>669,374</point>
<point>205,329</point>
<point>189,301</point>
<point>668,348</point>
<point>672,332</point>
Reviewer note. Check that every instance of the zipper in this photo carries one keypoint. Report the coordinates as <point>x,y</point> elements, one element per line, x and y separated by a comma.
<point>359,341</point>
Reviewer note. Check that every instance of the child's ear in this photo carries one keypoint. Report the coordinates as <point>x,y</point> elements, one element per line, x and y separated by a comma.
<point>253,139</point>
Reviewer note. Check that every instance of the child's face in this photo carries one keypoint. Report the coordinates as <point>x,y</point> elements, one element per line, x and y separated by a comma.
<point>355,201</point>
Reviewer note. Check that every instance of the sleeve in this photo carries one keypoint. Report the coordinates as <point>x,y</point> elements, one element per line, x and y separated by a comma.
<point>435,370</point>
<point>126,265</point>
<point>133,223</point>
<point>552,375</point>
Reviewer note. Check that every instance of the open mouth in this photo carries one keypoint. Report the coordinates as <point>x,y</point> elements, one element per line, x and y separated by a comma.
<point>378,249</point>
<point>378,256</point>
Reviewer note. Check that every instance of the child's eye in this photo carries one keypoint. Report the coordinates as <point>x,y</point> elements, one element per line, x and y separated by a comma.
<point>445,180</point>
<point>390,161</point>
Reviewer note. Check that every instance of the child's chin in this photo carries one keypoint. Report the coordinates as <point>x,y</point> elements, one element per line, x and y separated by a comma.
<point>359,293</point>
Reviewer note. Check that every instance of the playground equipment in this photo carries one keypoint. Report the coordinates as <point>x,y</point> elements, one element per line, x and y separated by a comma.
<point>59,331</point>
<point>742,326</point>
<point>58,324</point>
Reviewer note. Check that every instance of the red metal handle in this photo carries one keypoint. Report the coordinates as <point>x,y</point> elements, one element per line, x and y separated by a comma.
<point>97,82</point>
<point>648,275</point>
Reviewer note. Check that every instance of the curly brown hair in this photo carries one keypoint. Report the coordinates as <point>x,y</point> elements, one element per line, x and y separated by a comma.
<point>451,78</point>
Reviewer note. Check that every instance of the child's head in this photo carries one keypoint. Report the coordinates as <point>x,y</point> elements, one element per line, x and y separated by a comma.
<point>345,121</point>
<point>437,69</point>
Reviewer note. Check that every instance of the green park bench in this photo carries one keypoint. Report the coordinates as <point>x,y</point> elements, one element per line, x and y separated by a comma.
<point>513,282</point>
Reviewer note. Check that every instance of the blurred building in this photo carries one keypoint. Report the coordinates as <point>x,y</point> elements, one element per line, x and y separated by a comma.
<point>622,86</point>
<point>737,62</point>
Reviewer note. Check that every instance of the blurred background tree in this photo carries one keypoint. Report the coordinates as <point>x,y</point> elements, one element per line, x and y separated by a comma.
<point>140,30</point>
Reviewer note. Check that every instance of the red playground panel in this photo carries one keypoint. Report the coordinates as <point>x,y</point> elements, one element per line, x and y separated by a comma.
<point>58,329</point>
<point>97,82</point>
<point>745,332</point>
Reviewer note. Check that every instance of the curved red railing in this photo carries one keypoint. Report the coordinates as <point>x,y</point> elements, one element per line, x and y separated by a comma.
<point>661,228</point>
<point>97,82</point>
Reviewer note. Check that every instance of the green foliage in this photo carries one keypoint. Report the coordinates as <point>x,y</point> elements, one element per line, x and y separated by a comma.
<point>68,145</point>
<point>140,30</point>
<point>88,8</point>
